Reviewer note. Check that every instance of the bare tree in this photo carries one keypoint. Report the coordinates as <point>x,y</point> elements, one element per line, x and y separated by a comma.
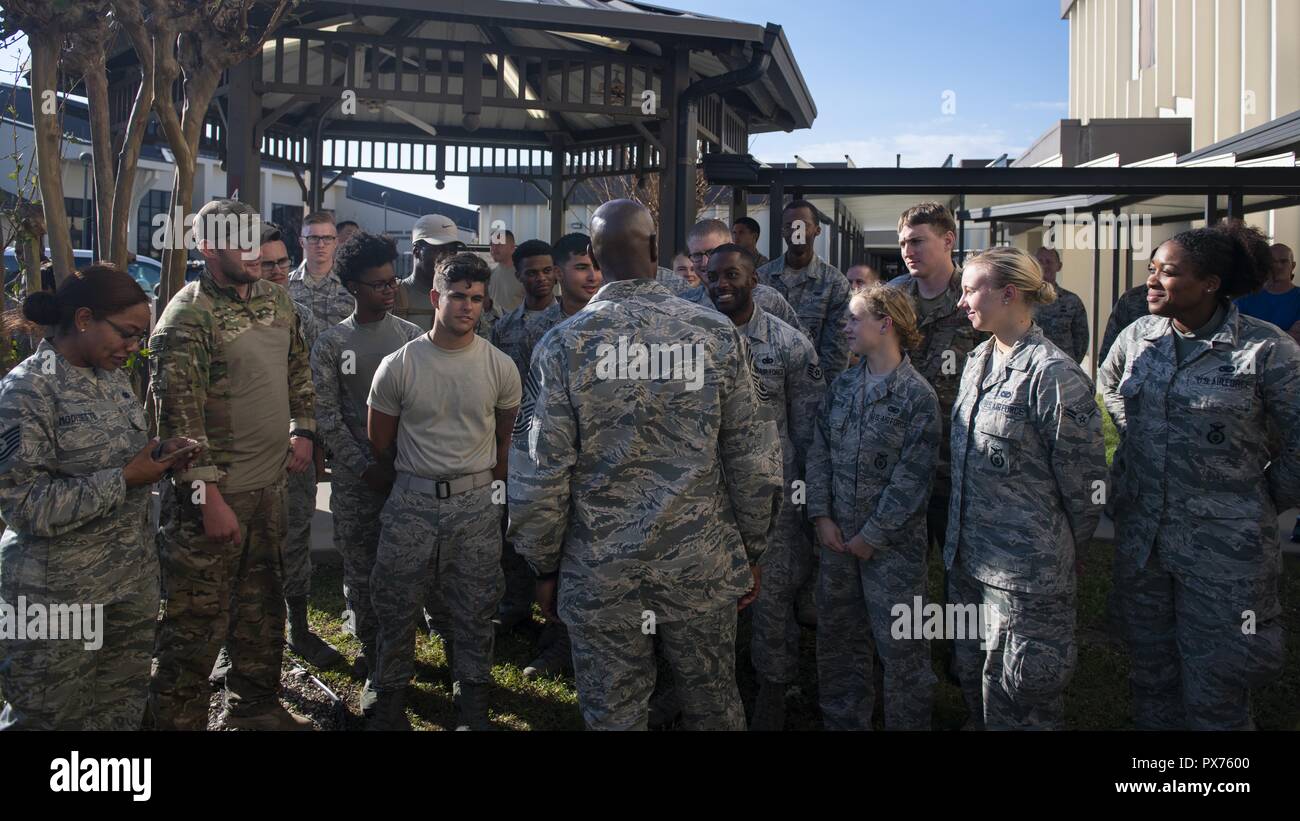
<point>46,26</point>
<point>85,54</point>
<point>193,42</point>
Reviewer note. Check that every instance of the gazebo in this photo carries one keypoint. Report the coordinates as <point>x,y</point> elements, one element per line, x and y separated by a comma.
<point>550,93</point>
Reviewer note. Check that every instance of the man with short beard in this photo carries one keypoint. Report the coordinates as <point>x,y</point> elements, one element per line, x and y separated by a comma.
<point>785,365</point>
<point>230,369</point>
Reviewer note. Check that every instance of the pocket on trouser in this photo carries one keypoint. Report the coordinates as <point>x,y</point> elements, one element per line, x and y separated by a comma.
<point>1038,666</point>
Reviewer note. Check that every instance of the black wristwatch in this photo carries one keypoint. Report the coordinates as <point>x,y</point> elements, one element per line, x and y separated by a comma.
<point>306,434</point>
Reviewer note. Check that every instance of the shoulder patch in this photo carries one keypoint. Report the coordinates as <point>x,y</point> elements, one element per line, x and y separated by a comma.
<point>9,441</point>
<point>815,372</point>
<point>1081,413</point>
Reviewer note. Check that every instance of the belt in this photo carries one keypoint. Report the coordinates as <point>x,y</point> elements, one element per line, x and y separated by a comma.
<point>444,488</point>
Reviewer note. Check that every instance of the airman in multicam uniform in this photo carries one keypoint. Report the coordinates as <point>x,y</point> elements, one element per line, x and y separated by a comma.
<point>343,361</point>
<point>1208,412</point>
<point>231,371</point>
<point>75,477</point>
<point>792,387</point>
<point>816,290</point>
<point>1028,480</point>
<point>926,233</point>
<point>1064,321</point>
<point>873,457</point>
<point>650,498</point>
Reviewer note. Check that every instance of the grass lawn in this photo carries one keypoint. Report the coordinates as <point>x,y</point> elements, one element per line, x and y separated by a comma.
<point>1097,699</point>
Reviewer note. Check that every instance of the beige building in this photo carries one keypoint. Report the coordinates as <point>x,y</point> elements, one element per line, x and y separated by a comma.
<point>1173,83</point>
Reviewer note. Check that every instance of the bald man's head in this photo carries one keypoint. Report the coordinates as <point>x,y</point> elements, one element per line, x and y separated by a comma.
<point>1283,263</point>
<point>623,240</point>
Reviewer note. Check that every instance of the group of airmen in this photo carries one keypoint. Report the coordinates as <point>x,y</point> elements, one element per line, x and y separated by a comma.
<point>645,453</point>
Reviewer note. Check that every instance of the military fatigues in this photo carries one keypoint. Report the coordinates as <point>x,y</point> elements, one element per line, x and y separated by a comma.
<point>649,509</point>
<point>669,279</point>
<point>1131,306</point>
<point>769,299</point>
<point>342,369</point>
<point>328,299</point>
<point>444,554</point>
<point>1207,457</point>
<point>947,338</point>
<point>300,494</point>
<point>217,379</point>
<point>791,392</point>
<point>1028,479</point>
<point>819,294</point>
<point>874,452</point>
<point>516,334</point>
<point>1065,322</point>
<point>76,535</point>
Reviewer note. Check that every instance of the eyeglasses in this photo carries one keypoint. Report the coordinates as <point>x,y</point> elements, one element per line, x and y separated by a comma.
<point>319,240</point>
<point>699,255</point>
<point>270,265</point>
<point>386,285</point>
<point>140,339</point>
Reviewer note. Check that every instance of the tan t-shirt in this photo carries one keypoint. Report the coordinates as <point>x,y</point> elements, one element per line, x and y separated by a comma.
<point>447,403</point>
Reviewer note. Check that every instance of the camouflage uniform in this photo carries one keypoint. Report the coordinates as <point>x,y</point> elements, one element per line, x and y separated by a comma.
<point>792,388</point>
<point>874,452</point>
<point>944,328</point>
<point>650,500</point>
<point>341,415</point>
<point>820,296</point>
<point>516,334</point>
<point>1131,306</point>
<point>76,535</point>
<point>769,299</point>
<point>1028,475</point>
<point>486,321</point>
<point>669,279</point>
<point>1207,457</point>
<point>300,494</point>
<point>439,543</point>
<point>209,353</point>
<point>328,299</point>
<point>1065,322</point>
<point>449,549</point>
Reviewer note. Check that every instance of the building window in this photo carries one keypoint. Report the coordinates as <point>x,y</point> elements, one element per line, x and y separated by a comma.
<point>153,203</point>
<point>73,206</point>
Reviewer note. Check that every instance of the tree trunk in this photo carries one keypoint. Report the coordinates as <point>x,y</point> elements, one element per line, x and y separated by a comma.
<point>101,138</point>
<point>128,157</point>
<point>49,159</point>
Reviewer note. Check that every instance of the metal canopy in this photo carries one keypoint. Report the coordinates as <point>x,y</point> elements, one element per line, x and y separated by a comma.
<point>551,93</point>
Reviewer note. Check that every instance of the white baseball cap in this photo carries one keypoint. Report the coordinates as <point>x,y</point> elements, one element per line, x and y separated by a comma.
<point>435,229</point>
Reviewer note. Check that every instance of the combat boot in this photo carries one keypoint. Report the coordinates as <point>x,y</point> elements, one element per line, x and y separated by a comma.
<point>555,660</point>
<point>389,711</point>
<point>769,707</point>
<point>471,703</point>
<point>274,716</point>
<point>217,678</point>
<point>301,640</point>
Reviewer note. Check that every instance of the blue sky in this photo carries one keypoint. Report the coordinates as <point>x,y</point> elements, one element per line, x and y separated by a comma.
<point>880,72</point>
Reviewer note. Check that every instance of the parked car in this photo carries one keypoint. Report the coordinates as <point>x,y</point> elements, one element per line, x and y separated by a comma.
<point>146,270</point>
